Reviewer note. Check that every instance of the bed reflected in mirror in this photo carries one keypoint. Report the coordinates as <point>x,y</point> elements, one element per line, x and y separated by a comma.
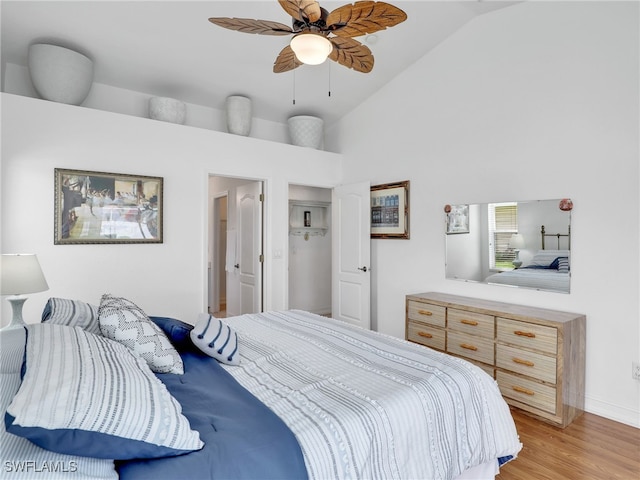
<point>521,244</point>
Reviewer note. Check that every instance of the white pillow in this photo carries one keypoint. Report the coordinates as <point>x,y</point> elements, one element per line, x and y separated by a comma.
<point>216,339</point>
<point>74,313</point>
<point>96,399</point>
<point>123,321</point>
<point>544,258</point>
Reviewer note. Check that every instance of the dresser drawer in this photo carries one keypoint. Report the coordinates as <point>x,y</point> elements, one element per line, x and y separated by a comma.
<point>526,391</point>
<point>426,335</point>
<point>471,322</point>
<point>535,337</point>
<point>470,346</point>
<point>536,365</point>
<point>427,313</point>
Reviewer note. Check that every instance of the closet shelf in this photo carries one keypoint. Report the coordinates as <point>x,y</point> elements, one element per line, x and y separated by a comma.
<point>308,218</point>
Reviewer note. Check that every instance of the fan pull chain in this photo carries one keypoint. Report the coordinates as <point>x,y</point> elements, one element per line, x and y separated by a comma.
<point>329,80</point>
<point>294,87</point>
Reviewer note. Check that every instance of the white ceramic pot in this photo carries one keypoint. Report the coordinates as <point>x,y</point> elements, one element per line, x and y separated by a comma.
<point>167,110</point>
<point>238,115</point>
<point>59,74</point>
<point>306,131</point>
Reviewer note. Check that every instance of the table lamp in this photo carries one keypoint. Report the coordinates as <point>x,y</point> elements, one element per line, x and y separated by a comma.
<point>516,242</point>
<point>20,273</point>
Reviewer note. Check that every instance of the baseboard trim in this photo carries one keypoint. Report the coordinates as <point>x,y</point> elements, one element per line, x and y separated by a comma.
<point>613,412</point>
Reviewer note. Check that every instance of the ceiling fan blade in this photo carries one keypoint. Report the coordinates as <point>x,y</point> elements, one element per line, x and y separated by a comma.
<point>247,25</point>
<point>286,61</point>
<point>303,10</point>
<point>352,54</point>
<point>364,17</point>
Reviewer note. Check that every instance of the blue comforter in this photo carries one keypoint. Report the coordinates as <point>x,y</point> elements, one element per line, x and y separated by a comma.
<point>243,438</point>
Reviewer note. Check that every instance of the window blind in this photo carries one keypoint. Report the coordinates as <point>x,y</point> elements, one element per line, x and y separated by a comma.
<point>503,222</point>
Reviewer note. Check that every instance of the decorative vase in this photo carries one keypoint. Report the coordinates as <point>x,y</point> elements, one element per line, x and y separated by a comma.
<point>167,109</point>
<point>238,114</point>
<point>59,74</point>
<point>306,131</point>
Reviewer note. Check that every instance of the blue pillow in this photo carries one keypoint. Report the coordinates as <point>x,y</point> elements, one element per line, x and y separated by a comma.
<point>96,400</point>
<point>176,331</point>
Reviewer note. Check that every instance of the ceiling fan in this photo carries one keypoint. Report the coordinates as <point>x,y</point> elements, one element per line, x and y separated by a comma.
<point>319,34</point>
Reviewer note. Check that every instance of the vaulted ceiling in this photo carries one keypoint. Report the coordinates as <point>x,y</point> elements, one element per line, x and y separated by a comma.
<point>169,48</point>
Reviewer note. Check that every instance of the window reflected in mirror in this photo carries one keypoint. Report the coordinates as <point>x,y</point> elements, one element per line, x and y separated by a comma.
<point>518,244</point>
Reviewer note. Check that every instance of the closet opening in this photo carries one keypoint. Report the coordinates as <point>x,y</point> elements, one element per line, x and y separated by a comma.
<point>310,249</point>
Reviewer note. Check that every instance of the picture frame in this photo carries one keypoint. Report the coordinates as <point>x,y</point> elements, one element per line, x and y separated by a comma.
<point>390,210</point>
<point>107,208</point>
<point>457,218</point>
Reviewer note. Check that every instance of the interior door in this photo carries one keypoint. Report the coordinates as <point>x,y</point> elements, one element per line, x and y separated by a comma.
<point>351,258</point>
<point>249,246</point>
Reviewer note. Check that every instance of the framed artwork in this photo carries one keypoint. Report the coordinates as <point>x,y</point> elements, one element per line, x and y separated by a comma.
<point>457,219</point>
<point>98,207</point>
<point>390,210</point>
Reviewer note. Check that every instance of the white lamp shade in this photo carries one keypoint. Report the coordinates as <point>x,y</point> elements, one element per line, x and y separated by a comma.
<point>311,48</point>
<point>516,241</point>
<point>21,273</point>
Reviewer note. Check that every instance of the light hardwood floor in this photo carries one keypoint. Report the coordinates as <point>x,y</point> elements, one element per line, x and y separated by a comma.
<point>591,448</point>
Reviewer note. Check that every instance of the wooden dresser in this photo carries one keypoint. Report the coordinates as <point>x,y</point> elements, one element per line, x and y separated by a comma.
<point>536,355</point>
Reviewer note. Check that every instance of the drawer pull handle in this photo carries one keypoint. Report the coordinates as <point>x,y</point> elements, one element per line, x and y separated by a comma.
<point>468,347</point>
<point>425,335</point>
<point>473,323</point>
<point>525,334</point>
<point>425,312</point>
<point>526,391</point>
<point>523,362</point>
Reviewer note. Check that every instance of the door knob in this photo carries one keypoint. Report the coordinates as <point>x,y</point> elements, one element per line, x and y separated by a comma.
<point>364,269</point>
<point>237,265</point>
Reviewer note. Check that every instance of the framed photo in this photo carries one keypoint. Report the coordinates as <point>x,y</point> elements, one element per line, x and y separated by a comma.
<point>457,219</point>
<point>390,210</point>
<point>98,207</point>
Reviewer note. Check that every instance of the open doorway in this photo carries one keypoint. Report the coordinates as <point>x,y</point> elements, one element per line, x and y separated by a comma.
<point>310,249</point>
<point>235,250</point>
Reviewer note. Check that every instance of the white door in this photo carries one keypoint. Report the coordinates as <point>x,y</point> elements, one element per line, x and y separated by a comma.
<point>249,246</point>
<point>351,244</point>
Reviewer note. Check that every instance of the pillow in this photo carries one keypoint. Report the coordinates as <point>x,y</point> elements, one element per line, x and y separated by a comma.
<point>177,332</point>
<point>544,258</point>
<point>97,399</point>
<point>123,321</point>
<point>74,313</point>
<point>216,339</point>
<point>563,264</point>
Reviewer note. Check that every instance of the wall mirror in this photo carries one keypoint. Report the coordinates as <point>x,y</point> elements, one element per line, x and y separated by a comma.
<point>523,244</point>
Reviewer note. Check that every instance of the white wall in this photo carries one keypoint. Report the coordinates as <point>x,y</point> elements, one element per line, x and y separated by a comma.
<point>535,101</point>
<point>164,279</point>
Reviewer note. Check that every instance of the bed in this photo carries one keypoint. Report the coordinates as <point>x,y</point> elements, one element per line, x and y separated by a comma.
<point>549,269</point>
<point>272,395</point>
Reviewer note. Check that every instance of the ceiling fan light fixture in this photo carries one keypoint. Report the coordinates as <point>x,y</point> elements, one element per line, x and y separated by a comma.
<point>311,48</point>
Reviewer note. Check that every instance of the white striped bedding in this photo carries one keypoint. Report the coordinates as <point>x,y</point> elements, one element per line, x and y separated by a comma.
<point>366,405</point>
<point>21,459</point>
<point>542,279</point>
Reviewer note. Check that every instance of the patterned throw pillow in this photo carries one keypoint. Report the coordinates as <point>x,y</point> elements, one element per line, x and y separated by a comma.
<point>123,321</point>
<point>216,339</point>
<point>74,313</point>
<point>96,400</point>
